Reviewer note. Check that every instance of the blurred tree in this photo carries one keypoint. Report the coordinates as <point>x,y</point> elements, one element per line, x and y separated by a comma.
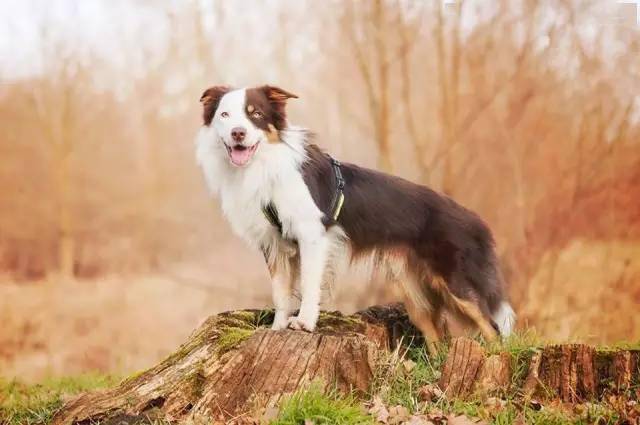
<point>368,30</point>
<point>55,110</point>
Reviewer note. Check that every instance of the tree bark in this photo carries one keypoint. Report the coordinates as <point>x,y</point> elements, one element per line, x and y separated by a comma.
<point>232,365</point>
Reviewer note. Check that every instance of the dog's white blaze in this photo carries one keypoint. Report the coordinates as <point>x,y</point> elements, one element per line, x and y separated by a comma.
<point>274,175</point>
<point>234,104</point>
<point>505,318</point>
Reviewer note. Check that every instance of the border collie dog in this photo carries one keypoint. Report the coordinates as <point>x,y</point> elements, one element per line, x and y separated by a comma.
<point>306,212</point>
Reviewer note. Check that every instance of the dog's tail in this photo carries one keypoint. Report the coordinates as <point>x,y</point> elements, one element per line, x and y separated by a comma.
<point>505,318</point>
<point>483,273</point>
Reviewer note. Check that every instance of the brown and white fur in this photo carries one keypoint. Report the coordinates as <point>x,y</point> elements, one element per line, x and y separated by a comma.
<point>441,254</point>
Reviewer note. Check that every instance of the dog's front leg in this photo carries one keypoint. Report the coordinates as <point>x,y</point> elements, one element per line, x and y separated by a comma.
<point>281,268</point>
<point>281,292</point>
<point>313,257</point>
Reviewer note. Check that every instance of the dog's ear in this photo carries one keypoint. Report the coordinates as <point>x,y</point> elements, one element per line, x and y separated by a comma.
<point>278,99</point>
<point>210,100</point>
<point>276,94</point>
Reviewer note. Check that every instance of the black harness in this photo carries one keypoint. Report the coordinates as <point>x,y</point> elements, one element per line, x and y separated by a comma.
<point>271,213</point>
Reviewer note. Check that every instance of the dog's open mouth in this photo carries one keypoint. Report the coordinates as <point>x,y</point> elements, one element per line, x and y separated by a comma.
<point>241,155</point>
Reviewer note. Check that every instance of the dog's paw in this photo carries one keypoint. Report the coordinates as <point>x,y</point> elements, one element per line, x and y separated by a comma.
<point>280,325</point>
<point>300,324</point>
<point>280,321</point>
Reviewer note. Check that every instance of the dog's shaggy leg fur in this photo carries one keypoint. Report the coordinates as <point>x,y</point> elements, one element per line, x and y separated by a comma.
<point>465,310</point>
<point>283,262</point>
<point>424,321</point>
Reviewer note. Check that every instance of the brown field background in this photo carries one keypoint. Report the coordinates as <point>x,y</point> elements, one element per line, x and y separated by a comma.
<point>111,251</point>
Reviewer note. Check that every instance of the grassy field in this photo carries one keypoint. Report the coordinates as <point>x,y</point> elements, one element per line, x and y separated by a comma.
<point>403,391</point>
<point>22,404</point>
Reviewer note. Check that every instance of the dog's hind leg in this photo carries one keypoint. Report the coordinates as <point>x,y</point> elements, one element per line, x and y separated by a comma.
<point>466,310</point>
<point>423,320</point>
<point>423,311</point>
<point>440,322</point>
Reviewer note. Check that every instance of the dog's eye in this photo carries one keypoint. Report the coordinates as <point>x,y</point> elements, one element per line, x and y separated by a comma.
<point>257,114</point>
<point>224,115</point>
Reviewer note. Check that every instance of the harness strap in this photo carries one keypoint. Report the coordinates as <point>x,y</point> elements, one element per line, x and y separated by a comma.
<point>271,213</point>
<point>338,199</point>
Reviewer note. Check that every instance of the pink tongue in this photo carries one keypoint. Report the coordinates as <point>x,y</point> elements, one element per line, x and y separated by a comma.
<point>241,157</point>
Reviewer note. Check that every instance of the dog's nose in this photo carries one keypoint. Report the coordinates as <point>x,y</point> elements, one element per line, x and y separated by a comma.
<point>238,133</point>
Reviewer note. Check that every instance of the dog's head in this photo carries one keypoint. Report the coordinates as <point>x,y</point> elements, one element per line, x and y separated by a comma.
<point>245,118</point>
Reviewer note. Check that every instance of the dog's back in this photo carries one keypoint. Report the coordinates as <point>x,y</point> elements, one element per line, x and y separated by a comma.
<point>440,252</point>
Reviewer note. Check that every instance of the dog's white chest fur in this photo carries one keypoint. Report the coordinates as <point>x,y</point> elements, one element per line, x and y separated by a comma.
<point>273,176</point>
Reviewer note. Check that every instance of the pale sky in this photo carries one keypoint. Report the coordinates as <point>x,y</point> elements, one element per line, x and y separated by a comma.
<point>125,33</point>
<point>103,28</point>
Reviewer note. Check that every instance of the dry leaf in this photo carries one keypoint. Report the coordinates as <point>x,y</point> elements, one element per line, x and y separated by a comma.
<point>378,410</point>
<point>270,414</point>
<point>436,416</point>
<point>535,405</point>
<point>418,420</point>
<point>430,392</point>
<point>463,420</point>
<point>245,420</point>
<point>495,403</point>
<point>408,365</point>
<point>398,414</point>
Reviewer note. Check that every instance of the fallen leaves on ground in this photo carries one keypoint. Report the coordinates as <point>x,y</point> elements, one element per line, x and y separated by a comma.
<point>463,420</point>
<point>400,415</point>
<point>270,414</point>
<point>378,410</point>
<point>430,392</point>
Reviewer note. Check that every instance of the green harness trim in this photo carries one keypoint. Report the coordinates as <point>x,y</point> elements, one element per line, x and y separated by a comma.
<point>271,213</point>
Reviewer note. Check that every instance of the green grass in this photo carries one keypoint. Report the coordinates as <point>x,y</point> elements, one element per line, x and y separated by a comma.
<point>22,404</point>
<point>622,345</point>
<point>398,386</point>
<point>312,404</point>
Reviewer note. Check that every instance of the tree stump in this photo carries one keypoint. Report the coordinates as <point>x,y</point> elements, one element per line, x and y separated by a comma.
<point>232,365</point>
<point>461,368</point>
<point>568,372</point>
<point>577,372</point>
<point>619,370</point>
<point>571,372</point>
<point>468,371</point>
<point>494,377</point>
